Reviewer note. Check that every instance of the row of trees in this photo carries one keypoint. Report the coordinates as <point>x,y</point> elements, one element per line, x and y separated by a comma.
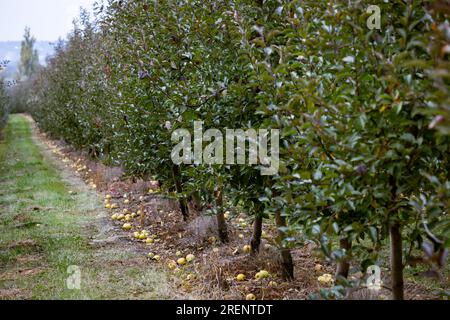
<point>3,96</point>
<point>363,114</point>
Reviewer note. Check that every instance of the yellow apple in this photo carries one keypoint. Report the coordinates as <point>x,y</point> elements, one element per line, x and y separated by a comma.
<point>142,236</point>
<point>263,274</point>
<point>250,297</point>
<point>181,261</point>
<point>190,258</point>
<point>240,277</point>
<point>127,226</point>
<point>126,201</point>
<point>149,241</point>
<point>179,253</point>
<point>247,249</point>
<point>157,258</point>
<point>325,279</point>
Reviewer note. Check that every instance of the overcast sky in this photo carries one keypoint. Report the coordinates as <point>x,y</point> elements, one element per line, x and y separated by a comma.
<point>48,19</point>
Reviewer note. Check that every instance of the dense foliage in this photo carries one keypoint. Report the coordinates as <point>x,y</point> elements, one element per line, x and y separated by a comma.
<point>364,114</point>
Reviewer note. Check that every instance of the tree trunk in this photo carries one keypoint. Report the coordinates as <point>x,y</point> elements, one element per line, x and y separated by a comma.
<point>396,261</point>
<point>257,232</point>
<point>179,189</point>
<point>196,199</point>
<point>287,264</point>
<point>221,222</point>
<point>343,266</point>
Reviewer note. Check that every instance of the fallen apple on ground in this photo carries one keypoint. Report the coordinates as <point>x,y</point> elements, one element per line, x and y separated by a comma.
<point>127,226</point>
<point>240,277</point>
<point>250,297</point>
<point>325,279</point>
<point>142,236</point>
<point>190,258</point>
<point>263,274</point>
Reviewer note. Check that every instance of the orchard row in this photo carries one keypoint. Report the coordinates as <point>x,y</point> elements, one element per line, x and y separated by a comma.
<point>363,115</point>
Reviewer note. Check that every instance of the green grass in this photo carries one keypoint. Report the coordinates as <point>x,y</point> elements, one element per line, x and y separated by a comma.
<point>44,230</point>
